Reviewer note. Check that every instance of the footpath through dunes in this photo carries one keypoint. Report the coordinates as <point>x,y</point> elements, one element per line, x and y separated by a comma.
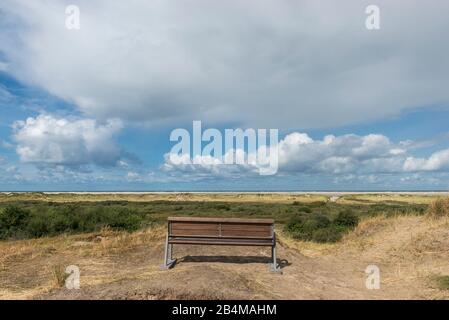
<point>409,250</point>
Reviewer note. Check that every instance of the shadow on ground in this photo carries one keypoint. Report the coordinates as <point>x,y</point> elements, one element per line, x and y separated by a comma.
<point>234,259</point>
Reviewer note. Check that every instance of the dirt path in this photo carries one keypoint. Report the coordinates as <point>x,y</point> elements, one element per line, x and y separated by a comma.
<point>408,251</point>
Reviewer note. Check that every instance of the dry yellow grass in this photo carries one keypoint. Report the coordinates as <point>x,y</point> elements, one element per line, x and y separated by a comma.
<point>41,260</point>
<point>284,197</point>
<point>438,208</point>
<point>59,275</point>
<point>143,197</point>
<point>412,198</point>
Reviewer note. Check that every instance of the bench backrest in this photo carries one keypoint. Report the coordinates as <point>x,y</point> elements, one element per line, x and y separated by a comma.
<point>221,228</point>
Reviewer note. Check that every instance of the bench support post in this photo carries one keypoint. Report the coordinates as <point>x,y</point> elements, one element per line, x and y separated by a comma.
<point>274,267</point>
<point>168,257</point>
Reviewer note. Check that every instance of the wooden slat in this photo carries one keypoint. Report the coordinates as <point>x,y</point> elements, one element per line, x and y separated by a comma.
<point>195,233</point>
<point>254,227</point>
<point>246,229</point>
<point>234,220</point>
<point>184,228</point>
<point>199,226</point>
<point>240,233</point>
<point>222,242</point>
<point>199,231</point>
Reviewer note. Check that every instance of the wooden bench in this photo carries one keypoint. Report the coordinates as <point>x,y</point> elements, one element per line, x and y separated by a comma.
<point>220,231</point>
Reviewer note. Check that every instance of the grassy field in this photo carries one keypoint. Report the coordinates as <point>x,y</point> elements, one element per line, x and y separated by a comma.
<point>31,215</point>
<point>325,242</point>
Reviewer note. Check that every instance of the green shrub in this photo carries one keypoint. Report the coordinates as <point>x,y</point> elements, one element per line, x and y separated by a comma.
<point>123,220</point>
<point>16,222</point>
<point>302,208</point>
<point>12,221</point>
<point>328,234</point>
<point>293,224</point>
<point>302,227</point>
<point>222,206</point>
<point>317,204</point>
<point>346,219</point>
<point>38,226</point>
<point>319,228</point>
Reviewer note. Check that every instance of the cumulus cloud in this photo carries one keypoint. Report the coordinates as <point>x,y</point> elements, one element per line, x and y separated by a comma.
<point>206,166</point>
<point>346,153</point>
<point>47,139</point>
<point>347,156</point>
<point>438,161</point>
<point>269,63</point>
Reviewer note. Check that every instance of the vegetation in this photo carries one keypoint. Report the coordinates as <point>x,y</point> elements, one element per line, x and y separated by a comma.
<point>27,221</point>
<point>320,228</point>
<point>59,276</point>
<point>442,282</point>
<point>314,220</point>
<point>13,221</point>
<point>438,208</point>
<point>346,219</point>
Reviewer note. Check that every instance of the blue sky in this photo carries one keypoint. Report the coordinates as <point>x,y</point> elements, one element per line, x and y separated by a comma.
<point>92,109</point>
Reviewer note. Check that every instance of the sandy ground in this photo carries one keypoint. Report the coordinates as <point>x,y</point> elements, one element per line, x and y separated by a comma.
<point>409,251</point>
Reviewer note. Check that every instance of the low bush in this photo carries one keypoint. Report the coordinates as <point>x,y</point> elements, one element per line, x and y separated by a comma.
<point>222,206</point>
<point>302,208</point>
<point>329,234</point>
<point>16,222</point>
<point>346,219</point>
<point>12,221</point>
<point>319,228</point>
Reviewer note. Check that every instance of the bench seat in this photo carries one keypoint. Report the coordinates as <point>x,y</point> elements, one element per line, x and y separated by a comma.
<point>222,241</point>
<point>219,231</point>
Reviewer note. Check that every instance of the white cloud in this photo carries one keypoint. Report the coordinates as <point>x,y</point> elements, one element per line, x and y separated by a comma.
<point>47,139</point>
<point>436,162</point>
<point>133,176</point>
<point>299,153</point>
<point>348,156</point>
<point>207,166</point>
<point>346,153</point>
<point>269,63</point>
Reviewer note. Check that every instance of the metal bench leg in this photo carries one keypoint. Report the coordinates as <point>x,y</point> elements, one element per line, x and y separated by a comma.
<point>274,267</point>
<point>168,257</point>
